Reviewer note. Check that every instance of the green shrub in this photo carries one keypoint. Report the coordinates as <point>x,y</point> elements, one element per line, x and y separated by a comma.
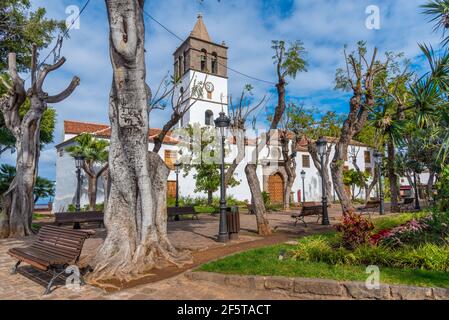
<point>206,209</point>
<point>266,198</point>
<point>355,230</point>
<point>427,256</point>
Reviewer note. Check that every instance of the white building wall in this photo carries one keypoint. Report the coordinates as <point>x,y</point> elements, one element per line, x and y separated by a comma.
<point>66,177</point>
<point>217,103</point>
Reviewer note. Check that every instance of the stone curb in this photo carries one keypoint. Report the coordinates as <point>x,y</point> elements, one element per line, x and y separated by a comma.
<point>322,288</point>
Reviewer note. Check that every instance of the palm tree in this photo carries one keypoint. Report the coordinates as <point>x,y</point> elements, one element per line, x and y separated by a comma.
<point>439,11</point>
<point>431,98</point>
<point>43,188</point>
<point>95,152</point>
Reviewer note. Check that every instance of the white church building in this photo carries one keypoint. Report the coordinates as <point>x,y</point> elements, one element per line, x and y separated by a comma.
<point>199,58</point>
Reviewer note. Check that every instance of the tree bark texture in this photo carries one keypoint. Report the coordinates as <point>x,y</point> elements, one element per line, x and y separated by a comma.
<point>135,216</point>
<point>263,227</point>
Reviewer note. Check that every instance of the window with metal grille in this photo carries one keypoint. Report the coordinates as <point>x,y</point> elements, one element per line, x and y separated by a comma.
<point>367,157</point>
<point>305,161</point>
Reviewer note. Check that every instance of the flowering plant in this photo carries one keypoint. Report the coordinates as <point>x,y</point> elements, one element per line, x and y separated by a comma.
<point>355,230</point>
<point>406,233</point>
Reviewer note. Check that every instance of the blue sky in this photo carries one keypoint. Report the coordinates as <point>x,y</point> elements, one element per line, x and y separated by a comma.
<point>247,27</point>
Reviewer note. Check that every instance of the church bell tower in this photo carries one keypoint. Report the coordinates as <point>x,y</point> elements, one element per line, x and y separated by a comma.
<point>200,60</point>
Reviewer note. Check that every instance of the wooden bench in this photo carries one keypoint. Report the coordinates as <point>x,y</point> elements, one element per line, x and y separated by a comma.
<point>370,207</point>
<point>174,212</point>
<point>79,217</point>
<point>407,204</point>
<point>308,209</point>
<point>54,250</point>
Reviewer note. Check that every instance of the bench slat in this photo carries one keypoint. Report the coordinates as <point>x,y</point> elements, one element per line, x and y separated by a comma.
<point>53,246</point>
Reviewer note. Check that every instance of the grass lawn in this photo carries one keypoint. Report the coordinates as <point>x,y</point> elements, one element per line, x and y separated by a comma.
<point>265,262</point>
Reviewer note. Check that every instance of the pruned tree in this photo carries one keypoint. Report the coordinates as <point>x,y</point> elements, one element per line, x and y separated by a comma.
<point>288,60</point>
<point>289,137</point>
<point>18,202</point>
<point>310,129</point>
<point>389,116</point>
<point>178,102</point>
<point>358,76</point>
<point>21,25</point>
<point>239,113</point>
<point>95,153</point>
<point>135,215</point>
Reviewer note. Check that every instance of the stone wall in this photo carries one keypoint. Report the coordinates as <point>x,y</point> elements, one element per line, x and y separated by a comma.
<point>322,288</point>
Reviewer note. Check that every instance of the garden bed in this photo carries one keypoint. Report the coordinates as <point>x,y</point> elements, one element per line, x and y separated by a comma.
<point>317,257</point>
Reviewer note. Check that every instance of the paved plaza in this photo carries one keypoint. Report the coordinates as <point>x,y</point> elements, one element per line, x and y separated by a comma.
<point>196,235</point>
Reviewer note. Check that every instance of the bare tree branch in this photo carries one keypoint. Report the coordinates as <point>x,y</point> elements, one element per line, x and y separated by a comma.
<point>64,94</point>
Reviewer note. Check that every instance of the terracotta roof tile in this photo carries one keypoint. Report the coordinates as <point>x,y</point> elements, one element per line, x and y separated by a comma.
<point>104,131</point>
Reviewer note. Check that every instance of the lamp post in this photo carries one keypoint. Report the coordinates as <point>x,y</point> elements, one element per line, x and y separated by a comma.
<point>321,145</point>
<point>79,161</point>
<point>177,166</point>
<point>177,170</point>
<point>378,159</point>
<point>222,123</point>
<point>303,177</point>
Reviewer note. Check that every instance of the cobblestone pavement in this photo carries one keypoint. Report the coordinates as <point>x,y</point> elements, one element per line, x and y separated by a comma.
<point>196,235</point>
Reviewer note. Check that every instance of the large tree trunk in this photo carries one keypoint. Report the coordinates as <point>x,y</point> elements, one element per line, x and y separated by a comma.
<point>18,201</point>
<point>352,125</point>
<point>287,193</point>
<point>337,176</point>
<point>263,227</point>
<point>394,185</point>
<point>135,216</point>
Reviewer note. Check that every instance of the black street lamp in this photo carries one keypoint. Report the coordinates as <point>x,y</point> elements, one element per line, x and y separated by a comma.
<point>222,123</point>
<point>321,145</point>
<point>79,161</point>
<point>378,160</point>
<point>417,206</point>
<point>303,177</point>
<point>177,166</point>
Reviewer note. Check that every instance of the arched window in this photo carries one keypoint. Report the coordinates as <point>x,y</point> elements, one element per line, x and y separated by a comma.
<point>214,63</point>
<point>203,60</point>
<point>209,119</point>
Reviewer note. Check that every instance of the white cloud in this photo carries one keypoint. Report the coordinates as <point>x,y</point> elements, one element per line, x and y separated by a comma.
<point>247,27</point>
